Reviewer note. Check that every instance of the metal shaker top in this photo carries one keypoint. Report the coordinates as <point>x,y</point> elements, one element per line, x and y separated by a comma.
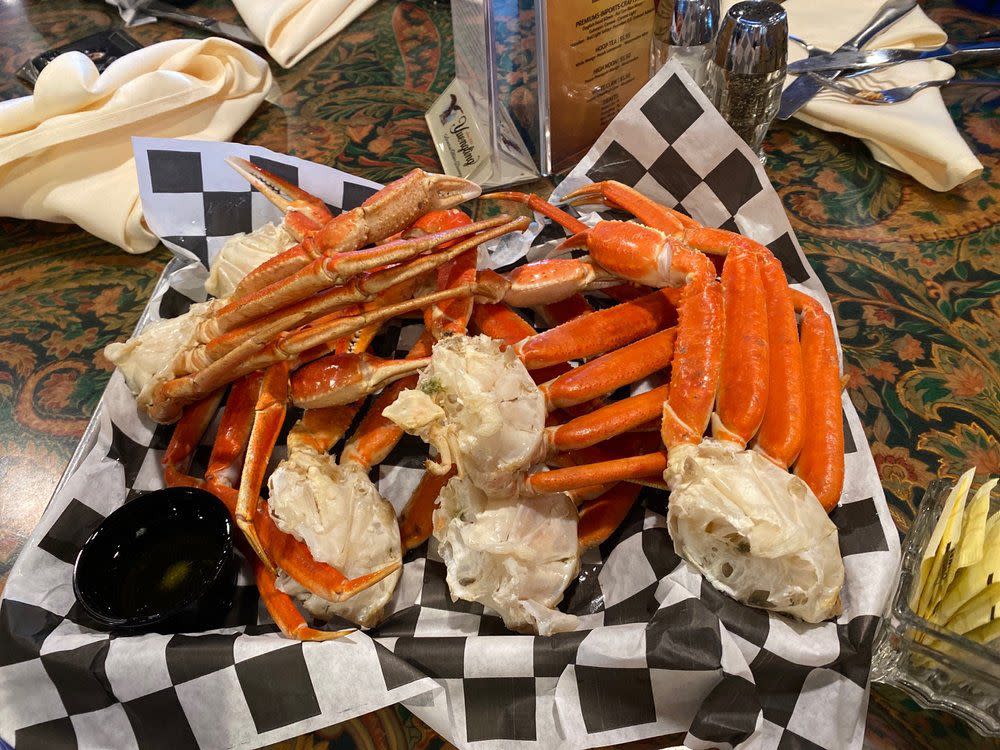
<point>694,22</point>
<point>753,39</point>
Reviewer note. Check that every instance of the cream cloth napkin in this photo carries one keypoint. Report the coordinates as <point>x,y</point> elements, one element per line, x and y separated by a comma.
<point>66,150</point>
<point>917,136</point>
<point>291,29</point>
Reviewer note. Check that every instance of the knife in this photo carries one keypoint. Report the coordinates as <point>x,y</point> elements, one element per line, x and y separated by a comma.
<point>805,88</point>
<point>879,57</point>
<point>234,31</point>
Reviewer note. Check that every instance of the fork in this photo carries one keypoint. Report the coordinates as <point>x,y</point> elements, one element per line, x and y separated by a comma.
<point>899,93</point>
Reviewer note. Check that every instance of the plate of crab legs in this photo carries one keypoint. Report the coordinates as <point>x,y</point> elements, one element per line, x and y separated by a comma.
<point>709,307</point>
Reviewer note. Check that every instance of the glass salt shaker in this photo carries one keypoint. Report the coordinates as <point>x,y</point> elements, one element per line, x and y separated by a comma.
<point>684,30</point>
<point>692,36</point>
<point>746,74</point>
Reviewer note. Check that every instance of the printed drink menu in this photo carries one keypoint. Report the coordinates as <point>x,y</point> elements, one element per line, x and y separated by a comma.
<point>597,55</point>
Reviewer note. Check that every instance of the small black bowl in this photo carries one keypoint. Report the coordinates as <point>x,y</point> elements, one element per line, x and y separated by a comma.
<point>162,562</point>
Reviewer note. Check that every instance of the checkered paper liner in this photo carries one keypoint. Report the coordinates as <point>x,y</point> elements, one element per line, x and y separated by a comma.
<point>658,652</point>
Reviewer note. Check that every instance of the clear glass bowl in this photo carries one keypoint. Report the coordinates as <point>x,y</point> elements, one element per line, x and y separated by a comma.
<point>938,668</point>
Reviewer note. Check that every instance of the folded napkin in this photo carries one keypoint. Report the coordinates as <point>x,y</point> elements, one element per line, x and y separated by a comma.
<point>917,136</point>
<point>66,151</point>
<point>291,29</point>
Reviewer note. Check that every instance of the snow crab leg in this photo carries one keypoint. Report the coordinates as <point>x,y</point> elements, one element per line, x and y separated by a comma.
<point>584,337</point>
<point>603,507</point>
<point>284,612</point>
<point>821,460</point>
<point>629,364</point>
<point>757,364</point>
<point>389,211</point>
<point>337,270</point>
<point>186,436</point>
<point>764,395</point>
<point>602,515</point>
<point>296,347</point>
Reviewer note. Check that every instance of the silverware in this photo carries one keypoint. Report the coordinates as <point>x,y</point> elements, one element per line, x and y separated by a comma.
<point>899,93</point>
<point>840,61</point>
<point>814,50</point>
<point>235,31</point>
<point>805,88</point>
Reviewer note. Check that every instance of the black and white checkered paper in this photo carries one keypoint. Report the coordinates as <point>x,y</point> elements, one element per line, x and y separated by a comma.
<point>658,651</point>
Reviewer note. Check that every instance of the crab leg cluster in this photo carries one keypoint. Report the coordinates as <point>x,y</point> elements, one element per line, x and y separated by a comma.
<point>738,364</point>
<point>238,457</point>
<point>706,314</point>
<point>737,345</point>
<point>392,209</point>
<point>319,301</point>
<point>602,507</point>
<point>304,298</point>
<point>589,435</point>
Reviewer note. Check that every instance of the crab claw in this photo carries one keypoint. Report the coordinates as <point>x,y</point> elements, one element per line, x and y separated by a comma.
<point>448,191</point>
<point>384,214</point>
<point>304,212</point>
<point>404,201</point>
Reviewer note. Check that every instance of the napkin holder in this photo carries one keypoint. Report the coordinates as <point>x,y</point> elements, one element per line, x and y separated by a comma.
<point>537,81</point>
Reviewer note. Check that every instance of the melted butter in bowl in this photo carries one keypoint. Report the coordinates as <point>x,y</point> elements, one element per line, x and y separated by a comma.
<point>162,562</point>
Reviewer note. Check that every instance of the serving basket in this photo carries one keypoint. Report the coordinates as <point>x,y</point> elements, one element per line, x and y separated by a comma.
<point>658,651</point>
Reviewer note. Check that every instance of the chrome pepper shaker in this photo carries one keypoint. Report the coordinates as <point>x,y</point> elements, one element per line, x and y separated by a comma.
<point>748,69</point>
<point>690,37</point>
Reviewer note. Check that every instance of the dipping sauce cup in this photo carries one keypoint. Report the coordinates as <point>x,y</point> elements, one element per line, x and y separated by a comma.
<point>162,562</point>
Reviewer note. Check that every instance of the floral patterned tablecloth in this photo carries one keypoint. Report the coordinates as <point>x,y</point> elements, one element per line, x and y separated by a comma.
<point>914,277</point>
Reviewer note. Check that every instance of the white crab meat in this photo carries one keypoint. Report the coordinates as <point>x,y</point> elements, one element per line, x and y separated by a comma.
<point>515,555</point>
<point>146,359</point>
<point>244,252</point>
<point>345,522</point>
<point>480,409</point>
<point>755,532</point>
